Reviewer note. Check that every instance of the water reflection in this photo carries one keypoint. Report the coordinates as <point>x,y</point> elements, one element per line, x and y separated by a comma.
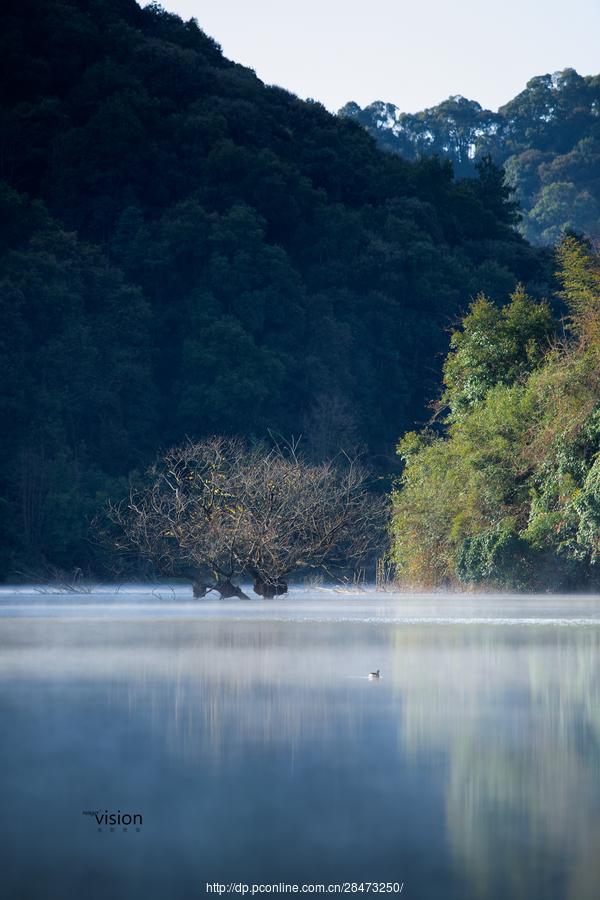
<point>518,714</point>
<point>257,749</point>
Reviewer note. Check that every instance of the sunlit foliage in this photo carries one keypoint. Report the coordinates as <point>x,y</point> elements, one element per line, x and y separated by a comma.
<point>546,138</point>
<point>508,492</point>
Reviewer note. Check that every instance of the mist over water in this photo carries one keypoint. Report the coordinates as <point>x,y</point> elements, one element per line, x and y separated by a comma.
<point>250,739</point>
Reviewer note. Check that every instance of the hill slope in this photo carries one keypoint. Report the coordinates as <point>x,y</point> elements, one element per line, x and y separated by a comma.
<point>547,137</point>
<point>186,251</point>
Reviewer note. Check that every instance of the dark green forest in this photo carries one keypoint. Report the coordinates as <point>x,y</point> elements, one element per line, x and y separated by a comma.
<point>547,138</point>
<point>185,251</point>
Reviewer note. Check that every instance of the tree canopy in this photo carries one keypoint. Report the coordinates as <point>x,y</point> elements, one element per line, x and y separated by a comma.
<point>220,510</point>
<point>547,138</point>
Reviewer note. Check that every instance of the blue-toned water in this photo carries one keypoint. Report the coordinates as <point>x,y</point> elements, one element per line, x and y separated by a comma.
<point>250,741</point>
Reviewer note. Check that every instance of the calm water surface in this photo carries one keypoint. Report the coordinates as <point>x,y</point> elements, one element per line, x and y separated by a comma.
<point>250,741</point>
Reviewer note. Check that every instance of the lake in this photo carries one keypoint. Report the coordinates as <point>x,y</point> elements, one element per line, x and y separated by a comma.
<point>249,741</point>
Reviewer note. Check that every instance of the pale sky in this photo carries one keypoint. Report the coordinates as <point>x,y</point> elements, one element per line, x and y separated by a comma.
<point>413,53</point>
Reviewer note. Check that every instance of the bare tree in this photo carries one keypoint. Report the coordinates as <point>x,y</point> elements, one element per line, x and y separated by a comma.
<point>223,510</point>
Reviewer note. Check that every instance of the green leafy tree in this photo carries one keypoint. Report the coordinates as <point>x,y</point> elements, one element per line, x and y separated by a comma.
<point>546,139</point>
<point>508,494</point>
<point>495,346</point>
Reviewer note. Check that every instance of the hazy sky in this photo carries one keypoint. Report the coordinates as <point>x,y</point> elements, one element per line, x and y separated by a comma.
<point>411,52</point>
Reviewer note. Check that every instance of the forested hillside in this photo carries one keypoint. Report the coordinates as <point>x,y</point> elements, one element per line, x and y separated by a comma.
<point>185,251</point>
<point>547,138</point>
<point>508,494</point>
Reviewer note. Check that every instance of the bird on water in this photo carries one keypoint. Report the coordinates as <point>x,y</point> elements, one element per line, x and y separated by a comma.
<point>374,674</point>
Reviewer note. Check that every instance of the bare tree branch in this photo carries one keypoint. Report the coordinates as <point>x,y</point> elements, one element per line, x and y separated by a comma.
<point>225,510</point>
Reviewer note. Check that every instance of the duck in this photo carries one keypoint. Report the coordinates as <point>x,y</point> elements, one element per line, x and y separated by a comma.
<point>374,674</point>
